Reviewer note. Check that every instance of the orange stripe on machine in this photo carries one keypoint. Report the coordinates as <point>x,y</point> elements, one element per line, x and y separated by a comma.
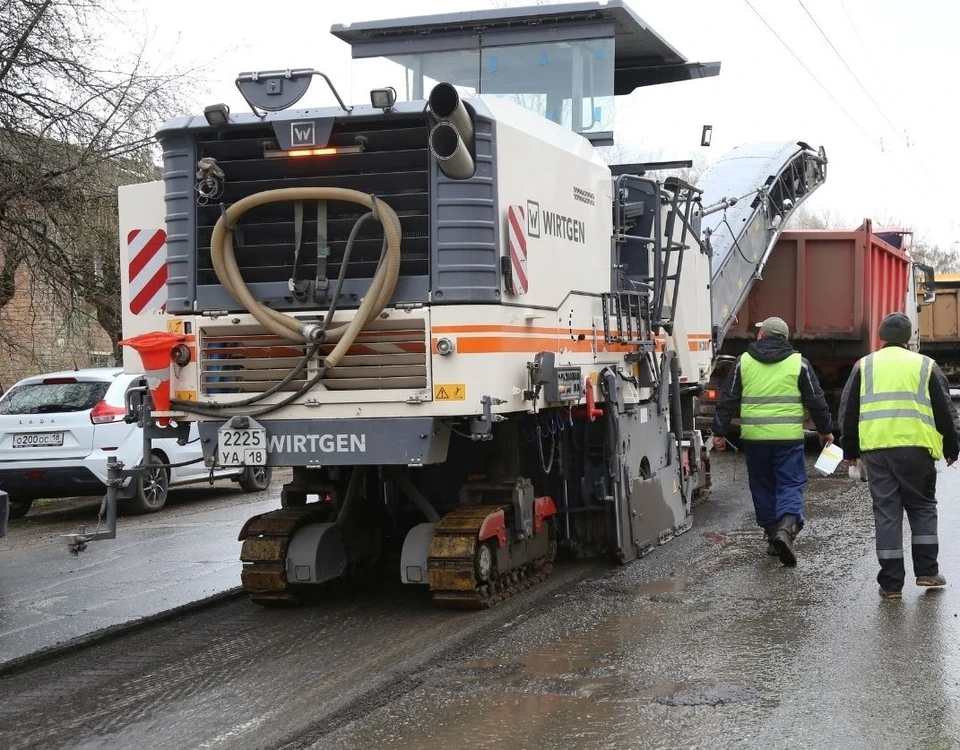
<point>490,339</point>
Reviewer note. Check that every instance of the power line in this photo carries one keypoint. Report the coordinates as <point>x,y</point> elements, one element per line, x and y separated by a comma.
<point>850,70</point>
<point>863,48</point>
<point>876,74</point>
<point>843,109</point>
<point>832,97</point>
<point>864,88</point>
<point>809,72</point>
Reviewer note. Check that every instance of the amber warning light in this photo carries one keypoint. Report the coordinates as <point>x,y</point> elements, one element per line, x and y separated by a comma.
<point>328,151</point>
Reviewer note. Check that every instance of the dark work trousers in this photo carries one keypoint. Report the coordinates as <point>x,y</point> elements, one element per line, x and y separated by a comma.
<point>777,475</point>
<point>903,479</point>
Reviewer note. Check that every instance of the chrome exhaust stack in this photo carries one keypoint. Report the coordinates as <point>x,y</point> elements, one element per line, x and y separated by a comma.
<point>450,136</point>
<point>451,152</point>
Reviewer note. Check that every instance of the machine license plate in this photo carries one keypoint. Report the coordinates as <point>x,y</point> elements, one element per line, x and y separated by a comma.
<point>242,447</point>
<point>38,440</point>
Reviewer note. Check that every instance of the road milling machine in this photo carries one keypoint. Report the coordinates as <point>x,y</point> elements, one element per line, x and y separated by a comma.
<point>473,340</point>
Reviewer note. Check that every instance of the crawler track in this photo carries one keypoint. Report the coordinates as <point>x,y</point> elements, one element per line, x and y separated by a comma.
<point>452,563</point>
<point>451,566</point>
<point>264,554</point>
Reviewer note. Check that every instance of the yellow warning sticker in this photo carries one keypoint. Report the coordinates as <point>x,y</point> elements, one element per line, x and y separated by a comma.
<point>450,392</point>
<point>185,395</point>
<point>175,325</point>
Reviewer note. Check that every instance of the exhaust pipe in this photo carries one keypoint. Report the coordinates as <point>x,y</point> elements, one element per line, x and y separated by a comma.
<point>451,152</point>
<point>446,105</point>
<point>449,138</point>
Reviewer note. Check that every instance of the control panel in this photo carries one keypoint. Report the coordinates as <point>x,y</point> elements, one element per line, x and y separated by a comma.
<point>560,383</point>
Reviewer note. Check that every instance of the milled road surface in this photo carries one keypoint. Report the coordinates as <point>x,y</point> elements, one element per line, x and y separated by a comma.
<point>706,643</point>
<point>158,562</point>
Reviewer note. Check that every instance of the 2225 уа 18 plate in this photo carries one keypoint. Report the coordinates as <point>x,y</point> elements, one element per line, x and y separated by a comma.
<point>242,447</point>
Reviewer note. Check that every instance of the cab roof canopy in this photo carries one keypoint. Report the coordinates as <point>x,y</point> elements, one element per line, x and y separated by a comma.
<point>642,57</point>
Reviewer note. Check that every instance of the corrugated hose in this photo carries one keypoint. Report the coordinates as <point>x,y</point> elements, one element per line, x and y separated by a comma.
<point>381,288</point>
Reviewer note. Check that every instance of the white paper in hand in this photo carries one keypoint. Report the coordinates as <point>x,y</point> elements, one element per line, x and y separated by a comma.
<point>829,459</point>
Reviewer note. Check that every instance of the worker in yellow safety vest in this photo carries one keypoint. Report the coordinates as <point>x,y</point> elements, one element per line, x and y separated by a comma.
<point>898,418</point>
<point>769,388</point>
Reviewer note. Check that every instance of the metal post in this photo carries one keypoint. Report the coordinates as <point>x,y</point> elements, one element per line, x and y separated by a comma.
<point>566,492</point>
<point>114,480</point>
<point>612,416</point>
<point>78,541</point>
<point>116,473</point>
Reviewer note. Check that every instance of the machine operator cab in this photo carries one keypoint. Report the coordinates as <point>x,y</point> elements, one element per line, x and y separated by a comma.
<point>565,63</point>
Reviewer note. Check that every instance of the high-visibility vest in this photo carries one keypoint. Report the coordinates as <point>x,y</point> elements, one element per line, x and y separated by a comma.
<point>771,407</point>
<point>895,408</point>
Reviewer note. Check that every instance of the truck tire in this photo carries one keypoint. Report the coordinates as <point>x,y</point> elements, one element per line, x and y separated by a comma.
<point>151,489</point>
<point>255,478</point>
<point>19,506</point>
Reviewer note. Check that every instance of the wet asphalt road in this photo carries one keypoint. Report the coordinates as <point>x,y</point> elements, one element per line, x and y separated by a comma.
<point>706,643</point>
<point>158,562</point>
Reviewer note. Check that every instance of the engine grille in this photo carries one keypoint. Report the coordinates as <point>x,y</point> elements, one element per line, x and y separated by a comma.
<point>393,166</point>
<point>391,355</point>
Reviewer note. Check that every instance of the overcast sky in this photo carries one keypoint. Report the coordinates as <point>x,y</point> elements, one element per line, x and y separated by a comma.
<point>875,84</point>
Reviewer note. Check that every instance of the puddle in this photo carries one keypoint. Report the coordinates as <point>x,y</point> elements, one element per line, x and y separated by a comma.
<point>709,695</point>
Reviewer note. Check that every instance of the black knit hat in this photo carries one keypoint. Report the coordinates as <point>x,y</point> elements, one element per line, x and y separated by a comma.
<point>896,328</point>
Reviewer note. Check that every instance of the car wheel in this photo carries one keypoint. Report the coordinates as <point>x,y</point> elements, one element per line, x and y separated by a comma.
<point>255,478</point>
<point>19,506</point>
<point>151,492</point>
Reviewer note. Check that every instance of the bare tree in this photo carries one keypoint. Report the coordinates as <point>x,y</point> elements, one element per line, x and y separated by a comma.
<point>806,217</point>
<point>76,120</point>
<point>619,154</point>
<point>942,260</point>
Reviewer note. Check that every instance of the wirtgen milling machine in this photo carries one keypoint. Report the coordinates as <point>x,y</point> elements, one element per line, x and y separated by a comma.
<point>467,334</point>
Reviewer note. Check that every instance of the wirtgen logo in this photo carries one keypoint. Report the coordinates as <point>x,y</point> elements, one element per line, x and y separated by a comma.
<point>303,134</point>
<point>551,224</point>
<point>533,219</point>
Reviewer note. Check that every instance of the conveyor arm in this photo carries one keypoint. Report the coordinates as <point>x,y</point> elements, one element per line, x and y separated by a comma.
<point>748,196</point>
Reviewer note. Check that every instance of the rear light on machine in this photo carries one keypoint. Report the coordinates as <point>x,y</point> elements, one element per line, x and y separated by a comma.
<point>104,413</point>
<point>711,394</point>
<point>325,151</point>
<point>35,474</point>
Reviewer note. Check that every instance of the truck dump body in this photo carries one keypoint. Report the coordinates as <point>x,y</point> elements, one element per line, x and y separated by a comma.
<point>940,326</point>
<point>940,322</point>
<point>833,289</point>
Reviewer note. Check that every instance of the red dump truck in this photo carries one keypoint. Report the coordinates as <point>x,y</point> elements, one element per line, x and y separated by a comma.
<point>833,289</point>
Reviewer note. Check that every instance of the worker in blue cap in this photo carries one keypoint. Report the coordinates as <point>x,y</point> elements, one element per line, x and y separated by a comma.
<point>897,416</point>
<point>770,386</point>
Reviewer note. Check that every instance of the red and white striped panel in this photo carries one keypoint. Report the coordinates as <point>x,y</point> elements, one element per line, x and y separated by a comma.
<point>518,249</point>
<point>147,254</point>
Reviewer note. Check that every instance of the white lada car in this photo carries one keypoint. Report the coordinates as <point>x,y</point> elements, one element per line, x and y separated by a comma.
<point>58,430</point>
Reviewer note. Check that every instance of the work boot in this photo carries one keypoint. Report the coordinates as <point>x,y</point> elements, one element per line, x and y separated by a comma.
<point>787,531</point>
<point>934,580</point>
<point>769,532</point>
<point>891,594</point>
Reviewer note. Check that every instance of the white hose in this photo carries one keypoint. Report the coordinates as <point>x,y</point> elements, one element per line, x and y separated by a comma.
<point>381,288</point>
